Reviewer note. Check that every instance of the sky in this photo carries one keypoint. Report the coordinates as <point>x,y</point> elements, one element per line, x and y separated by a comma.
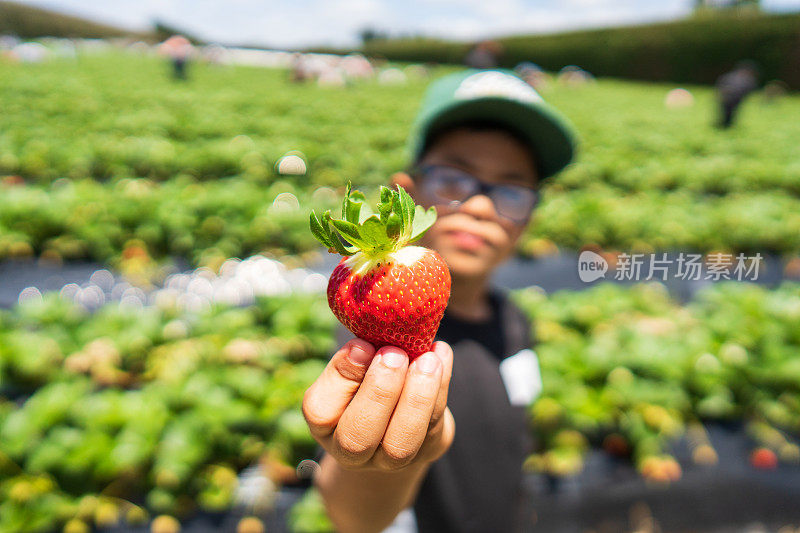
<point>303,23</point>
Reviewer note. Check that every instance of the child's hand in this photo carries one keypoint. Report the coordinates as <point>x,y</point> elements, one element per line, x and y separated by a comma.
<point>382,413</point>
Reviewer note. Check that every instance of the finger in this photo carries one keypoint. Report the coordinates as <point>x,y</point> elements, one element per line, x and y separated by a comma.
<point>364,422</point>
<point>445,354</point>
<point>409,423</point>
<point>439,438</point>
<point>328,397</point>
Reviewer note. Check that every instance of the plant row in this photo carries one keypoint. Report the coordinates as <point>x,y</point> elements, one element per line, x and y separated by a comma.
<point>119,153</point>
<point>124,414</point>
<point>630,371</point>
<point>129,222</point>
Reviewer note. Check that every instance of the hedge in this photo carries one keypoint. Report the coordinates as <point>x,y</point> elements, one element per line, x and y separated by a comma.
<point>694,50</point>
<point>28,22</point>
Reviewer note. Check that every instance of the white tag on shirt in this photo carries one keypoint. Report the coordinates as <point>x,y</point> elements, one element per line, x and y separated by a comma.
<point>521,376</point>
<point>405,522</point>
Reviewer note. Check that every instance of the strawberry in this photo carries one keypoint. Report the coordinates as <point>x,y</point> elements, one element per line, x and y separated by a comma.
<point>764,459</point>
<point>384,291</point>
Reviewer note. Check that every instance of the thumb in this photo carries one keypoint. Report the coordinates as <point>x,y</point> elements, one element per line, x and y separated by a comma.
<point>331,393</point>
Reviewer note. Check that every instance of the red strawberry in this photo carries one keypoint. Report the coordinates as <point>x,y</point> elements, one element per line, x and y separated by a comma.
<point>384,291</point>
<point>764,459</point>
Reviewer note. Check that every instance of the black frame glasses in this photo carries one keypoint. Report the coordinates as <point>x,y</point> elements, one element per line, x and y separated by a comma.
<point>513,202</point>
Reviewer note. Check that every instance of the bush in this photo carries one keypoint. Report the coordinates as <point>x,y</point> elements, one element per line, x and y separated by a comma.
<point>695,50</point>
<point>29,22</point>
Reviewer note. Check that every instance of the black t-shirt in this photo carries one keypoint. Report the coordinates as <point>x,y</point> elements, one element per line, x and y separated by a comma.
<point>476,486</point>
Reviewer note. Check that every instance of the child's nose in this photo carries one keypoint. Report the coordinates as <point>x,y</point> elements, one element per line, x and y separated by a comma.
<point>479,206</point>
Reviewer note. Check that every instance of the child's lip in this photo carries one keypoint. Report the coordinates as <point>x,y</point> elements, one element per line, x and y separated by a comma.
<point>468,240</point>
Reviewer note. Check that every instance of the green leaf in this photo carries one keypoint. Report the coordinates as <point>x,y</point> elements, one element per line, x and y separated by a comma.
<point>319,232</point>
<point>407,208</point>
<point>358,196</point>
<point>394,226</point>
<point>349,231</point>
<point>352,206</point>
<point>374,231</point>
<point>423,220</point>
<point>397,222</point>
<point>334,238</point>
<point>346,201</point>
<point>386,194</point>
<point>366,212</point>
<point>385,205</point>
<point>397,211</point>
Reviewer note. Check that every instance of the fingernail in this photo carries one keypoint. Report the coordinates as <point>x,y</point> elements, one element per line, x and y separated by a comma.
<point>393,359</point>
<point>427,363</point>
<point>359,355</point>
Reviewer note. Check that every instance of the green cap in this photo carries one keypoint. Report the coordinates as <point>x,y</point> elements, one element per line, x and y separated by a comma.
<point>498,96</point>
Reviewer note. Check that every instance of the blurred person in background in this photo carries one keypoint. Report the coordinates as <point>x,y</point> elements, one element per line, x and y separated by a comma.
<point>437,445</point>
<point>178,49</point>
<point>484,55</point>
<point>299,68</point>
<point>733,88</point>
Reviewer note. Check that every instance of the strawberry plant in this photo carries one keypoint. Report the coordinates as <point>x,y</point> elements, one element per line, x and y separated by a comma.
<point>189,170</point>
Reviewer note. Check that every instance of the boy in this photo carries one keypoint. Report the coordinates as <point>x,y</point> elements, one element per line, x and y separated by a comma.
<point>446,435</point>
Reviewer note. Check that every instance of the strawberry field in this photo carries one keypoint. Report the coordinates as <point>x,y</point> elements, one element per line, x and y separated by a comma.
<point>124,414</point>
<point>151,403</point>
<point>194,163</point>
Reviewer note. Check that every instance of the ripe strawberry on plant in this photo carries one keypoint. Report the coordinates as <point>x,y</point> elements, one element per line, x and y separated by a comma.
<point>764,459</point>
<point>384,291</point>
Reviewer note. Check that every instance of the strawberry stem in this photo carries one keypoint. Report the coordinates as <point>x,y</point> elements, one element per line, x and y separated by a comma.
<point>395,223</point>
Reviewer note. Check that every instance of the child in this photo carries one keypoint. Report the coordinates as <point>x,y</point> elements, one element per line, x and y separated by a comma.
<point>444,438</point>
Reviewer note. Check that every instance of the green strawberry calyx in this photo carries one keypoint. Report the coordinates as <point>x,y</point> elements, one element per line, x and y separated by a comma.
<point>396,223</point>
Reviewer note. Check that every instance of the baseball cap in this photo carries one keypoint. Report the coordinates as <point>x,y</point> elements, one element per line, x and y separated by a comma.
<point>500,97</point>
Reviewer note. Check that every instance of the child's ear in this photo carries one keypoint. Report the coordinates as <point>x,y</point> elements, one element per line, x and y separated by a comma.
<point>405,181</point>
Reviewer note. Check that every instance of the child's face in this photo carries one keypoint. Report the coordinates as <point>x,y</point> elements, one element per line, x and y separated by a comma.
<point>473,238</point>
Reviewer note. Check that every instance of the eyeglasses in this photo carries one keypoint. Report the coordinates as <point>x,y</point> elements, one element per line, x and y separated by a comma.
<point>445,185</point>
